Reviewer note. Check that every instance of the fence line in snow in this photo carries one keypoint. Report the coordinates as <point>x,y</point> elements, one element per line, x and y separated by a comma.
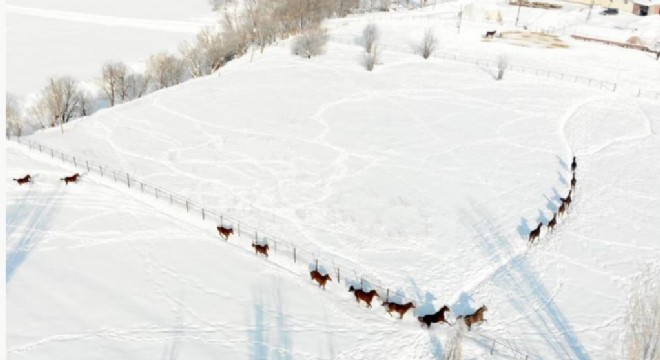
<point>648,94</point>
<point>242,230</point>
<point>557,75</point>
<point>338,270</point>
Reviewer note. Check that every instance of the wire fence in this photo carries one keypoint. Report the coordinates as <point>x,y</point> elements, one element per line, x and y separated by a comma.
<point>339,270</point>
<point>648,94</point>
<point>557,75</point>
<point>498,347</point>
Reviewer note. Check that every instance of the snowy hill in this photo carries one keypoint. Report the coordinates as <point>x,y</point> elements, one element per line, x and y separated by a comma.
<point>425,175</point>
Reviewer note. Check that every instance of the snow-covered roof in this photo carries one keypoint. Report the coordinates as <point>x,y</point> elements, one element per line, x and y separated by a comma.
<point>647,2</point>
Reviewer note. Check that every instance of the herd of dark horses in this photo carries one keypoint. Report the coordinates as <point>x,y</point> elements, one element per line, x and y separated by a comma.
<point>563,207</point>
<point>368,296</point>
<point>67,179</point>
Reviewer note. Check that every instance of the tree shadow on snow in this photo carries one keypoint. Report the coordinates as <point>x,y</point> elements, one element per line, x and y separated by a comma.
<point>35,219</point>
<point>285,342</point>
<point>258,332</point>
<point>529,296</point>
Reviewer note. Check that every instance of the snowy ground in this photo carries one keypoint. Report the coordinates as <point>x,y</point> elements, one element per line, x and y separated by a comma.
<point>424,175</point>
<point>76,37</point>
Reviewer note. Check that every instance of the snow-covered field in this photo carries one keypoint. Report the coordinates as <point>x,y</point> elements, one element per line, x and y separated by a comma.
<point>426,176</point>
<point>76,37</point>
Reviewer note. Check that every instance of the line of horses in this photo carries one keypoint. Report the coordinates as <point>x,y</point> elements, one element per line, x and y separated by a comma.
<point>368,296</point>
<point>563,207</point>
<point>67,179</point>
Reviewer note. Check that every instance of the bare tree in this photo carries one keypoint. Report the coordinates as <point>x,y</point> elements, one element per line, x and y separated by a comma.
<point>370,59</point>
<point>261,23</point>
<point>61,100</point>
<point>310,42</point>
<point>642,336</point>
<point>454,343</point>
<point>114,76</point>
<point>502,64</point>
<point>165,70</point>
<point>385,5</point>
<point>218,4</point>
<point>194,59</point>
<point>13,116</point>
<point>137,85</point>
<point>428,45</point>
<point>370,37</point>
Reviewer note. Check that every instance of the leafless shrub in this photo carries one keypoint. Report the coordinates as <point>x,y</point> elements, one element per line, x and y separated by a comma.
<point>136,86</point>
<point>310,43</point>
<point>112,81</point>
<point>502,64</point>
<point>13,116</point>
<point>642,336</point>
<point>165,70</point>
<point>370,59</point>
<point>428,44</point>
<point>370,37</point>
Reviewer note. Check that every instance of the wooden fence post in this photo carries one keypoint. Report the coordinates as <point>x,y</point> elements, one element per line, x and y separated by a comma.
<point>170,199</point>
<point>74,162</point>
<point>203,216</point>
<point>142,186</point>
<point>52,153</point>
<point>294,254</point>
<point>156,189</point>
<point>255,236</point>
<point>387,297</point>
<point>39,147</point>
<point>187,210</point>
<point>87,163</point>
<point>101,170</point>
<point>239,229</point>
<point>114,175</point>
<point>338,276</point>
<point>128,180</point>
<point>317,264</point>
<point>492,348</point>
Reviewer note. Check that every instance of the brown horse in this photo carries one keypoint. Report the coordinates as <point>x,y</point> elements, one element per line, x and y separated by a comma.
<point>400,308</point>
<point>24,179</point>
<point>573,182</point>
<point>321,279</point>
<point>223,231</point>
<point>263,249</point>
<point>534,234</point>
<point>573,165</point>
<point>562,209</point>
<point>364,296</point>
<point>477,317</point>
<point>568,199</point>
<point>73,178</point>
<point>490,34</point>
<point>438,317</point>
<point>553,222</point>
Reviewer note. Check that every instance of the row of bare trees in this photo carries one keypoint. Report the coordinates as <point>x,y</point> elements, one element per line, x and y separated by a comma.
<point>250,23</point>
